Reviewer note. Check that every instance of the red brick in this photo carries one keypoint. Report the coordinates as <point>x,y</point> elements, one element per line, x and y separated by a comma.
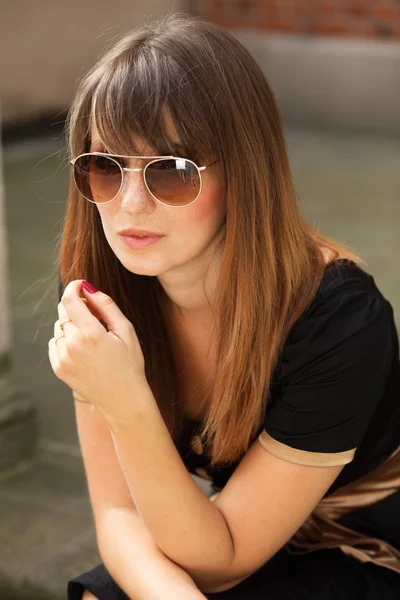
<point>385,14</point>
<point>330,27</point>
<point>277,4</point>
<point>246,5</point>
<point>303,4</point>
<point>272,20</point>
<point>328,7</point>
<point>360,18</point>
<point>237,15</point>
<point>358,11</point>
<point>270,3</point>
<point>358,8</point>
<point>277,26</point>
<point>225,21</point>
<point>366,29</point>
<point>384,29</point>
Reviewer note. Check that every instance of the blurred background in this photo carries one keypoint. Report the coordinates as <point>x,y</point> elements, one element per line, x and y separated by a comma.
<point>334,66</point>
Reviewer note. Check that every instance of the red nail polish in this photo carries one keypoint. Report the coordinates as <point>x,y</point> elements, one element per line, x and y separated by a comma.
<point>89,287</point>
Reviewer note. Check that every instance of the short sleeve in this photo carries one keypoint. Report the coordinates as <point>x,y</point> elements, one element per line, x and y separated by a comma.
<point>332,375</point>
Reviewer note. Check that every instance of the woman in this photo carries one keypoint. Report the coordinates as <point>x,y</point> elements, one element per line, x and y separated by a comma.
<point>228,339</point>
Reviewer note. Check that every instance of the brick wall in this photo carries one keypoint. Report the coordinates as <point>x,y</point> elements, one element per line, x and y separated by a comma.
<point>371,19</point>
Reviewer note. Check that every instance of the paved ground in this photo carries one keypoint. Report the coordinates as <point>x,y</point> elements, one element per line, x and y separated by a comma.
<point>46,530</point>
<point>349,187</point>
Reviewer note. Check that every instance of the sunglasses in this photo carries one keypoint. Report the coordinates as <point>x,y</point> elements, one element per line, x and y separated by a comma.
<point>171,180</point>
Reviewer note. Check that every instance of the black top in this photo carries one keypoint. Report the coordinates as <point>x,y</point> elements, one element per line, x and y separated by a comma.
<point>335,394</point>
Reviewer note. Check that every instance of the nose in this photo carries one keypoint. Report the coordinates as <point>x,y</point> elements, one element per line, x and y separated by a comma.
<point>134,195</point>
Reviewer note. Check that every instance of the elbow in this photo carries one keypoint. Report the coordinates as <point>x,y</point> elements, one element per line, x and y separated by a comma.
<point>220,580</point>
<point>207,560</point>
<point>217,574</point>
<point>222,587</point>
<point>224,577</point>
<point>208,568</point>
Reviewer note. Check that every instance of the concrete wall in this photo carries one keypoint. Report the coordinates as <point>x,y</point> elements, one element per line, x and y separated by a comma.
<point>318,81</point>
<point>46,46</point>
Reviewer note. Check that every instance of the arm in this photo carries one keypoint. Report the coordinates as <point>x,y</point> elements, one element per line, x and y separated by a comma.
<point>137,564</point>
<point>126,547</point>
<point>222,542</point>
<point>333,374</point>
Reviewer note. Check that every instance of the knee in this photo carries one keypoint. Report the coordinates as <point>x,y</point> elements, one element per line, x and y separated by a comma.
<point>88,596</point>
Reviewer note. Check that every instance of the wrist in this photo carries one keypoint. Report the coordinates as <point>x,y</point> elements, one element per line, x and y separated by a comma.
<point>130,411</point>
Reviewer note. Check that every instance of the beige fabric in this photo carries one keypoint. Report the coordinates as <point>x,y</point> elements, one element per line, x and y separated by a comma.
<point>303,457</point>
<point>321,530</point>
<point>203,474</point>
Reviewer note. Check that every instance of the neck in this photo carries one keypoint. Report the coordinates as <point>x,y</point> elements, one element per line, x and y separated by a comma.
<point>191,292</point>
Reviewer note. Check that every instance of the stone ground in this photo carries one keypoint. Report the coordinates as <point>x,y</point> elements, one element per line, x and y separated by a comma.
<point>349,186</point>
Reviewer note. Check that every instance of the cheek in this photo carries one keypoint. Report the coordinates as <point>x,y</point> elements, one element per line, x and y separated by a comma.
<point>106,214</point>
<point>209,207</point>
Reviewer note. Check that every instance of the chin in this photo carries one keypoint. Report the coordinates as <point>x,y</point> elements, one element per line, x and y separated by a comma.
<point>140,266</point>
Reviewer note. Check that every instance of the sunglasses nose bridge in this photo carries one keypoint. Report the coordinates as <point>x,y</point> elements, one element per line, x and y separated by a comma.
<point>126,175</point>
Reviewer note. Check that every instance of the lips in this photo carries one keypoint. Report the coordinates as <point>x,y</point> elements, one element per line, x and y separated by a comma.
<point>140,233</point>
<point>135,242</point>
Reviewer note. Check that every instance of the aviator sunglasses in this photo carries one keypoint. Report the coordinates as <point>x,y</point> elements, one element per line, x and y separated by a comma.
<point>171,180</point>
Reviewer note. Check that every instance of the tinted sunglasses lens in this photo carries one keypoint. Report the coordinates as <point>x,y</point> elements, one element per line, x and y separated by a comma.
<point>174,181</point>
<point>98,178</point>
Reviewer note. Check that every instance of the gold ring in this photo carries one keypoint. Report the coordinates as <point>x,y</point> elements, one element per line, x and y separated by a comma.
<point>61,325</point>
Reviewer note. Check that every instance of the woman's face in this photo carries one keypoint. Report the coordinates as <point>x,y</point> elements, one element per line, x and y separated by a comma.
<point>189,232</point>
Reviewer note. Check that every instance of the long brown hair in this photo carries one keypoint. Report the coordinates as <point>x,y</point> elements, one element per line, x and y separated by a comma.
<point>222,108</point>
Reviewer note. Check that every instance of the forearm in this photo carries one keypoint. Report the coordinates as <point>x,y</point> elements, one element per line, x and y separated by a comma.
<point>184,524</point>
<point>136,563</point>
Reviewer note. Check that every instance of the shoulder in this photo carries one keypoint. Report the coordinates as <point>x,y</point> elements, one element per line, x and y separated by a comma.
<point>343,277</point>
<point>343,283</point>
<point>347,312</point>
<point>333,369</point>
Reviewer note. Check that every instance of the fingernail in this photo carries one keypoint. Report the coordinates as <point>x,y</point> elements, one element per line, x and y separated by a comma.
<point>89,287</point>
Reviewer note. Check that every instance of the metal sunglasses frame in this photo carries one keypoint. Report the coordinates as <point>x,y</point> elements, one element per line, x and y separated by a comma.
<point>122,169</point>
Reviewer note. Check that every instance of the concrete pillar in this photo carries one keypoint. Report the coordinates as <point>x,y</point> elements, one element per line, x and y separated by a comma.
<point>18,423</point>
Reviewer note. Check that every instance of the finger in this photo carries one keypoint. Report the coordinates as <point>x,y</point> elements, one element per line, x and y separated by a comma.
<point>57,331</point>
<point>78,311</point>
<point>62,318</point>
<point>53,354</point>
<point>64,315</point>
<point>62,312</point>
<point>108,311</point>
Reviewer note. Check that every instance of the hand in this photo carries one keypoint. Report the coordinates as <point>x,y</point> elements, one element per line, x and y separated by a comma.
<point>103,368</point>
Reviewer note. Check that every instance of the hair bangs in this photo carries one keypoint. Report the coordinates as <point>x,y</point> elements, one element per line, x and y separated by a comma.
<point>140,105</point>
